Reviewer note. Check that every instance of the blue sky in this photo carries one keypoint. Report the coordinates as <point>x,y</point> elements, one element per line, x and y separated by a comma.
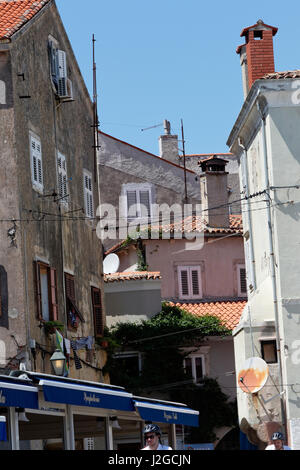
<point>169,59</point>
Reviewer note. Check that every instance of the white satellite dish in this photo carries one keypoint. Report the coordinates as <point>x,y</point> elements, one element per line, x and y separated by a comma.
<point>253,375</point>
<point>111,264</point>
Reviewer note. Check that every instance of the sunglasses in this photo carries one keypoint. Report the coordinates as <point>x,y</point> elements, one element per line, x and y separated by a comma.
<point>150,437</point>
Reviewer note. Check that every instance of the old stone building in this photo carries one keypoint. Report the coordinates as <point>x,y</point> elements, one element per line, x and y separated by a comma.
<point>49,195</point>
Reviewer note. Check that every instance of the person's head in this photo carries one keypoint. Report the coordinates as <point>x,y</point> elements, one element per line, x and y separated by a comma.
<point>277,440</point>
<point>152,435</point>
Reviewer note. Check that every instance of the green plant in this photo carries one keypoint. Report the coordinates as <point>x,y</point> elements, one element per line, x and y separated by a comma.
<point>161,340</point>
<point>51,326</point>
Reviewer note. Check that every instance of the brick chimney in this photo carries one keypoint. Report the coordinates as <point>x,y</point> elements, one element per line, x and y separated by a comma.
<point>214,192</point>
<point>257,56</point>
<point>168,144</point>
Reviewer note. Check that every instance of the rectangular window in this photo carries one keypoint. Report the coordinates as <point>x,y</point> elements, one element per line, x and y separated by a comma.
<point>130,362</point>
<point>62,178</point>
<point>242,280</point>
<point>97,312</point>
<point>194,367</point>
<point>73,313</point>
<point>268,351</point>
<point>36,163</point>
<point>88,194</point>
<point>189,279</point>
<point>138,202</point>
<point>46,292</point>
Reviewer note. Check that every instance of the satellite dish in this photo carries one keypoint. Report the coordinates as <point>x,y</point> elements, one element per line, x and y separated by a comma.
<point>253,375</point>
<point>111,264</point>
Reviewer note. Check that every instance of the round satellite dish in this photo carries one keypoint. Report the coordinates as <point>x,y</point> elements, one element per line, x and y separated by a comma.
<point>253,375</point>
<point>111,264</point>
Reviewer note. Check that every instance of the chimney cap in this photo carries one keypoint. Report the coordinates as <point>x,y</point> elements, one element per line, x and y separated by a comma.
<point>259,26</point>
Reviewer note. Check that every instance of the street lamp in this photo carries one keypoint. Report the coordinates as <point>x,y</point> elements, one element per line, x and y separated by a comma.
<point>58,361</point>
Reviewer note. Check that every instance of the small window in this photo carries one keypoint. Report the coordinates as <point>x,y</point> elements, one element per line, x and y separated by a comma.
<point>62,178</point>
<point>189,279</point>
<point>73,313</point>
<point>130,362</point>
<point>138,201</point>
<point>269,351</point>
<point>88,194</point>
<point>36,163</point>
<point>46,291</point>
<point>242,280</point>
<point>194,367</point>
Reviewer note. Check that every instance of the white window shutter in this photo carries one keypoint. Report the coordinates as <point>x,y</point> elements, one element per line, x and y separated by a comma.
<point>88,195</point>
<point>189,278</point>
<point>145,208</point>
<point>62,176</point>
<point>36,162</point>
<point>195,281</point>
<point>132,204</point>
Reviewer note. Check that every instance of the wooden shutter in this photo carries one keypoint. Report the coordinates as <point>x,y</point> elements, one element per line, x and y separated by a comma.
<point>53,294</point>
<point>132,204</point>
<point>184,282</point>
<point>70,287</point>
<point>243,281</point>
<point>36,162</point>
<point>88,195</point>
<point>190,282</point>
<point>195,281</point>
<point>97,312</point>
<point>38,294</point>
<point>145,202</point>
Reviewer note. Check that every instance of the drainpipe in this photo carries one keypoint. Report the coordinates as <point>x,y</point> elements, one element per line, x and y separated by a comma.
<point>246,173</point>
<point>272,263</point>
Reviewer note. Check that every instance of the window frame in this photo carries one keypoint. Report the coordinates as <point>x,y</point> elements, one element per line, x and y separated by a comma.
<point>138,188</point>
<point>89,212</point>
<point>239,280</point>
<point>193,358</point>
<point>189,269</point>
<point>52,291</point>
<point>265,341</point>
<point>37,184</point>
<point>63,198</point>
<point>98,328</point>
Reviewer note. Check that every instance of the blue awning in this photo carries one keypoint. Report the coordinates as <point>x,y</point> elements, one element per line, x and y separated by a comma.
<point>167,412</point>
<point>86,394</point>
<point>16,393</point>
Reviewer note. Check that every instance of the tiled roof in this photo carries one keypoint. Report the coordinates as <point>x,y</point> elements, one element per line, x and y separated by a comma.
<point>189,225</point>
<point>281,75</point>
<point>196,224</point>
<point>131,276</point>
<point>229,312</point>
<point>14,14</point>
<point>206,155</point>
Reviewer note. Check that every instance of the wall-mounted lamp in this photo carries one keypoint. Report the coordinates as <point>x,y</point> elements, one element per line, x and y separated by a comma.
<point>58,361</point>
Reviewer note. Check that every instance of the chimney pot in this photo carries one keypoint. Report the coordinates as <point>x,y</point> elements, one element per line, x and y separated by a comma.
<point>258,49</point>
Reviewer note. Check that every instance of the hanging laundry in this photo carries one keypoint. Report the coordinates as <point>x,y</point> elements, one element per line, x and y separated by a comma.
<point>76,358</point>
<point>82,343</point>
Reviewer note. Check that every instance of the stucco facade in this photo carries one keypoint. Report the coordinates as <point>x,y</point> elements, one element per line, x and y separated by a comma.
<point>266,139</point>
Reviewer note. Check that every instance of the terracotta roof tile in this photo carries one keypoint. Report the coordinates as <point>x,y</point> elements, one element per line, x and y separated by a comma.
<point>189,225</point>
<point>131,276</point>
<point>14,14</point>
<point>229,312</point>
<point>281,75</point>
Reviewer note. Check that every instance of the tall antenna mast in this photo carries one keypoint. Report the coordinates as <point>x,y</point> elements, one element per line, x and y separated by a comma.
<point>95,109</point>
<point>184,166</point>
